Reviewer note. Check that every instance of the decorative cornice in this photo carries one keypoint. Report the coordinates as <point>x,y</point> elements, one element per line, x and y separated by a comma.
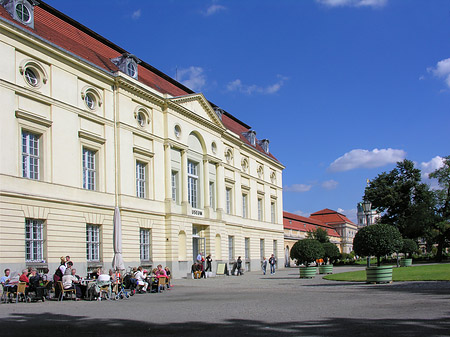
<point>137,89</point>
<point>92,137</point>
<point>143,152</point>
<point>33,118</point>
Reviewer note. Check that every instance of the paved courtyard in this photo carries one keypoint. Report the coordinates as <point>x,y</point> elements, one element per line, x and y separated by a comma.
<point>249,305</point>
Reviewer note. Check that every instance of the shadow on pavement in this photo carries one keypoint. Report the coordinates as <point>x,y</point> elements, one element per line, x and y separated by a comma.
<point>65,325</point>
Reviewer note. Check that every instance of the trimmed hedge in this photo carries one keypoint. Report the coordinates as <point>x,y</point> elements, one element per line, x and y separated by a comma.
<point>307,251</point>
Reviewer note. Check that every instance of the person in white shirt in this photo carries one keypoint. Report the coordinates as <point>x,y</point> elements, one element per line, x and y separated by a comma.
<point>69,281</point>
<point>140,277</point>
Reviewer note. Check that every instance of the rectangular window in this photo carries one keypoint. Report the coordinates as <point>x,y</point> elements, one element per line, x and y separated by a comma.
<point>92,243</point>
<point>247,249</point>
<point>30,155</point>
<point>272,212</point>
<point>34,240</point>
<point>228,200</point>
<point>192,184</point>
<point>261,249</point>
<point>145,244</point>
<point>174,179</point>
<point>230,248</point>
<point>244,206</point>
<point>89,172</point>
<point>212,194</point>
<point>141,174</point>
<point>260,209</point>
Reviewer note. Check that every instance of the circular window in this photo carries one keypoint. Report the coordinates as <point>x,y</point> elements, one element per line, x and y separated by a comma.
<point>140,118</point>
<point>131,69</point>
<point>90,100</point>
<point>23,13</point>
<point>32,77</point>
<point>177,131</point>
<point>214,147</point>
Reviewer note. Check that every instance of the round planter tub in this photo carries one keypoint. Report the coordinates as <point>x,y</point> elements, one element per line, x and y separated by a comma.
<point>308,272</point>
<point>326,269</point>
<point>406,262</point>
<point>382,274</point>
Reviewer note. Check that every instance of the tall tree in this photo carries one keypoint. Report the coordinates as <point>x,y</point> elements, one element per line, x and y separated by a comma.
<point>319,234</point>
<point>441,229</point>
<point>404,201</point>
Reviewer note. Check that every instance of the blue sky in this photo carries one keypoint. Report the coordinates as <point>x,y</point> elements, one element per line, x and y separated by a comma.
<point>342,88</point>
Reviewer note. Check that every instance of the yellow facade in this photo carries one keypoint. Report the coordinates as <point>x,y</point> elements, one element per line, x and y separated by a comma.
<point>131,126</point>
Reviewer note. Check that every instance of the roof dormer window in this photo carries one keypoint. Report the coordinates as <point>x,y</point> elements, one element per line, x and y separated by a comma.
<point>250,136</point>
<point>21,10</point>
<point>128,64</point>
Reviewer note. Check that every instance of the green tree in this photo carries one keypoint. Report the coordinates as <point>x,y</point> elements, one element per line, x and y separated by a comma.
<point>377,240</point>
<point>319,234</point>
<point>409,247</point>
<point>307,251</point>
<point>405,202</point>
<point>440,231</point>
<point>331,252</point>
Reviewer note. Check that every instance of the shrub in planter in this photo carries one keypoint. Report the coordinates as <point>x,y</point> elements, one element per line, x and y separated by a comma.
<point>378,240</point>
<point>331,252</point>
<point>409,247</point>
<point>305,252</point>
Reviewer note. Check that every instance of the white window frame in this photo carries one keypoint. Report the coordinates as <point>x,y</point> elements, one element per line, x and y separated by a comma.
<point>34,240</point>
<point>228,200</point>
<point>244,205</point>
<point>272,211</point>
<point>31,161</point>
<point>174,182</point>
<point>92,243</point>
<point>212,194</point>
<point>193,184</point>
<point>89,158</point>
<point>247,249</point>
<point>260,209</point>
<point>145,244</point>
<point>230,247</point>
<point>141,179</point>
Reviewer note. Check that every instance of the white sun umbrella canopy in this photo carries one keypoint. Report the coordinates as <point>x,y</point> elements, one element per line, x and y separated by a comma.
<point>118,260</point>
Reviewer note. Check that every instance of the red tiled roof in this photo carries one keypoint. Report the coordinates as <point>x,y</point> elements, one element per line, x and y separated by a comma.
<point>330,217</point>
<point>300,223</point>
<point>66,33</point>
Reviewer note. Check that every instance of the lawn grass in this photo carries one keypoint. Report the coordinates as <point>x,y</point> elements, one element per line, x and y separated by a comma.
<point>435,272</point>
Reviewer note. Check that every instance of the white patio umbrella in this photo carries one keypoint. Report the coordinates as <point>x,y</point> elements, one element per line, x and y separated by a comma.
<point>118,260</point>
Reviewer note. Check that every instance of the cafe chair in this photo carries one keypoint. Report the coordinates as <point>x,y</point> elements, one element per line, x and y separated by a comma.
<point>63,291</point>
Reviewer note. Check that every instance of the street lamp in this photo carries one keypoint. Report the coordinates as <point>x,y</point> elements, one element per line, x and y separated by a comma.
<point>367,208</point>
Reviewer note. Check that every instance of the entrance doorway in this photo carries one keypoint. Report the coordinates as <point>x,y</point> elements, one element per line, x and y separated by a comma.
<point>198,246</point>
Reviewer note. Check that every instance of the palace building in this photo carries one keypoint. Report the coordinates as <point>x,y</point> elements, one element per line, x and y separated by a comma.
<point>87,128</point>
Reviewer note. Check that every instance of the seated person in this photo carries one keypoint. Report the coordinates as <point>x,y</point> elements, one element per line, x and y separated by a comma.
<point>140,277</point>
<point>83,287</point>
<point>24,277</point>
<point>95,274</point>
<point>160,271</point>
<point>154,280</point>
<point>34,280</point>
<point>5,279</point>
<point>69,281</point>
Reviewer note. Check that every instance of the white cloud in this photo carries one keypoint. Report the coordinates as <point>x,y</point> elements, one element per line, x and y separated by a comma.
<point>299,188</point>
<point>136,14</point>
<point>351,214</point>
<point>237,85</point>
<point>431,166</point>
<point>301,213</point>
<point>366,159</point>
<point>353,3</point>
<point>213,9</point>
<point>442,70</point>
<point>330,184</point>
<point>192,77</point>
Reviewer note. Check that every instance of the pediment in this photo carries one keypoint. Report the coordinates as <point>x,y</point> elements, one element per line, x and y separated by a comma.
<point>199,105</point>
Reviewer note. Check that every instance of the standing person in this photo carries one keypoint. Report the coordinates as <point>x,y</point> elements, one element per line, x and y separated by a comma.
<point>199,257</point>
<point>264,265</point>
<point>239,266</point>
<point>272,262</point>
<point>208,263</point>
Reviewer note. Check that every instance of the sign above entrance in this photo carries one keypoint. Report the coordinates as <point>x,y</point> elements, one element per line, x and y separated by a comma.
<point>197,212</point>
